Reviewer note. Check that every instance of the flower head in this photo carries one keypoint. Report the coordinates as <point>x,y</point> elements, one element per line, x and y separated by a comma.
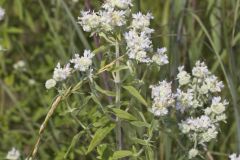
<point>141,21</point>
<point>60,73</point>
<point>160,57</point>
<point>50,83</point>
<point>2,13</point>
<point>213,84</point>
<point>217,106</point>
<point>138,44</point>
<point>20,65</point>
<point>193,153</point>
<point>90,21</point>
<point>234,157</point>
<point>162,98</point>
<point>82,63</point>
<point>121,4</point>
<point>200,70</point>
<point>13,154</point>
<point>183,77</point>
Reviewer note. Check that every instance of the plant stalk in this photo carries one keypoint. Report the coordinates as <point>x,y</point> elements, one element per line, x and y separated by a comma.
<point>118,96</point>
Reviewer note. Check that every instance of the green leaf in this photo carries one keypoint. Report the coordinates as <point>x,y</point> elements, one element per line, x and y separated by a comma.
<point>73,143</point>
<point>123,67</point>
<point>140,124</point>
<point>122,154</point>
<point>106,92</point>
<point>99,135</point>
<point>124,115</point>
<point>140,141</point>
<point>101,122</point>
<point>136,94</point>
<point>149,154</point>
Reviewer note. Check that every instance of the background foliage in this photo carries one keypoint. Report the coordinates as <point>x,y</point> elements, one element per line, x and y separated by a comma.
<point>43,32</point>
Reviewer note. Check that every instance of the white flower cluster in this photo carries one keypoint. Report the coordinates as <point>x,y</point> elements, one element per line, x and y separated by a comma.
<point>139,43</point>
<point>2,13</point>
<point>113,14</point>
<point>196,98</point>
<point>82,64</point>
<point>13,154</point>
<point>162,98</point>
<point>234,157</point>
<point>201,129</point>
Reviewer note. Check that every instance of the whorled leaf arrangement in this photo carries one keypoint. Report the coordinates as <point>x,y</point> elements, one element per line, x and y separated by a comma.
<point>195,104</point>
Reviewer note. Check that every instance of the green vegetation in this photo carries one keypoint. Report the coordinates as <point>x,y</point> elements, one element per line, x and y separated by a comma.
<point>42,33</point>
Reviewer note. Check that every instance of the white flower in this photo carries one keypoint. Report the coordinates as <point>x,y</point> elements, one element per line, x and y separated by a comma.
<point>31,82</point>
<point>184,100</point>
<point>209,135</point>
<point>2,13</point>
<point>160,57</point>
<point>117,18</point>
<point>138,41</point>
<point>217,106</point>
<point>162,98</point>
<point>200,70</point>
<point>221,117</point>
<point>183,77</point>
<point>122,4</point>
<point>204,89</point>
<point>192,153</point>
<point>83,63</point>
<point>138,44</point>
<point>185,128</point>
<point>234,157</point>
<point>198,124</point>
<point>61,74</point>
<point>90,21</point>
<point>140,21</point>
<point>13,154</point>
<point>141,56</point>
<point>111,18</point>
<point>213,84</point>
<point>50,83</point>
<point>20,65</point>
<point>208,111</point>
<point>159,111</point>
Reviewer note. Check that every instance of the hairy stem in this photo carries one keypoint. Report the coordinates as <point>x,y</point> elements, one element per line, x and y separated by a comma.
<point>118,96</point>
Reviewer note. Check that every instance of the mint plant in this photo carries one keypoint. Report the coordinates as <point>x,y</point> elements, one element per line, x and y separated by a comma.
<point>132,125</point>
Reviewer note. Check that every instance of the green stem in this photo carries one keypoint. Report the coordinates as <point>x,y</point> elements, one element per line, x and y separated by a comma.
<point>118,96</point>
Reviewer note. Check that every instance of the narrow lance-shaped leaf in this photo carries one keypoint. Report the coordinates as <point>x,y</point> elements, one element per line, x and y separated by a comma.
<point>122,154</point>
<point>136,94</point>
<point>106,92</point>
<point>73,143</point>
<point>124,115</point>
<point>100,134</point>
